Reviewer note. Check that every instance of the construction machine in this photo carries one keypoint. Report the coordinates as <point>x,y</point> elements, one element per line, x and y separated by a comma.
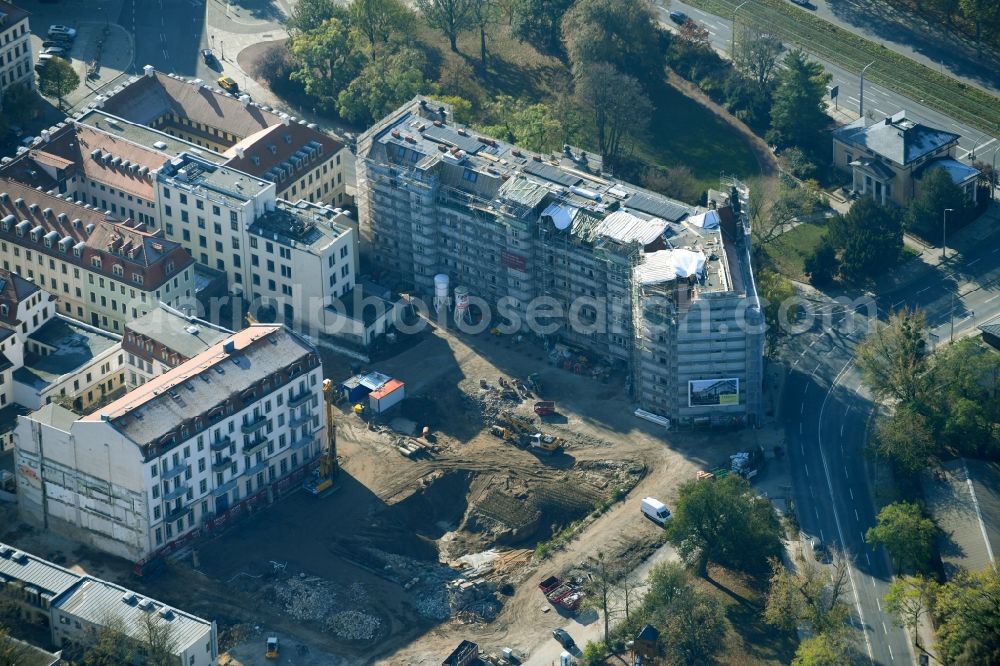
<point>272,648</point>
<point>322,478</point>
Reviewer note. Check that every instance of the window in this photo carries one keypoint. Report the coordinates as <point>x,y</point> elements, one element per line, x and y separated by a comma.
<point>184,216</point>
<point>95,262</point>
<point>167,211</point>
<point>215,210</point>
<point>184,199</point>
<point>234,226</point>
<point>218,228</point>
<point>470,175</point>
<point>232,216</point>
<point>166,193</point>
<point>199,204</point>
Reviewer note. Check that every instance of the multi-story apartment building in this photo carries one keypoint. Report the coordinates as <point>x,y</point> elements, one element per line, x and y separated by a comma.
<point>302,161</point>
<point>448,206</point>
<point>15,48</point>
<point>76,608</point>
<point>163,339</point>
<point>233,425</point>
<point>104,271</point>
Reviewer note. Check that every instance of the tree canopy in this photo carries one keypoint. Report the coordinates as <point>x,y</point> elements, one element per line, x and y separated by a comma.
<point>328,59</point>
<point>893,358</point>
<point>798,117</point>
<point>870,238</point>
<point>624,33</point>
<point>906,534</point>
<point>925,212</point>
<point>725,522</point>
<point>967,609</point>
<point>617,108</point>
<point>449,16</point>
<point>539,21</point>
<point>58,79</point>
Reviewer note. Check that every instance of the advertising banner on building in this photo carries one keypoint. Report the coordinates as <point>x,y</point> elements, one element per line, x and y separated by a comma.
<point>713,392</point>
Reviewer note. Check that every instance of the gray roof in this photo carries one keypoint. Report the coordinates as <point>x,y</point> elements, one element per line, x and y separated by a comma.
<point>186,335</point>
<point>303,225</point>
<point>965,501</point>
<point>145,136</point>
<point>992,326</point>
<point>896,138</point>
<point>196,386</point>
<point>73,345</point>
<point>55,415</point>
<point>30,570</point>
<point>960,173</point>
<point>96,601</point>
<point>231,186</point>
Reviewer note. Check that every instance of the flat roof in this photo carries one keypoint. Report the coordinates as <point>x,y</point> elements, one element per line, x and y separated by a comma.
<point>192,172</point>
<point>303,225</point>
<point>30,570</point>
<point>186,335</point>
<point>72,346</point>
<point>142,135</point>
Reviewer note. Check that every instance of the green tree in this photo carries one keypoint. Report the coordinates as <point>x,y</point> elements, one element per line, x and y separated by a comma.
<point>798,117</point>
<point>58,79</point>
<point>691,630</point>
<point>925,212</point>
<point>13,652</point>
<point>893,358</point>
<point>871,239</point>
<point>382,86</point>
<point>310,14</point>
<point>966,377</point>
<point>821,264</point>
<point>536,127</point>
<point>20,103</point>
<point>449,16</point>
<point>617,107</point>
<point>981,13</point>
<point>906,534</point>
<point>624,33</point>
<point>967,609</point>
<point>538,21</point>
<point>725,522</point>
<point>777,292</point>
<point>909,599</point>
<point>378,20</point>
<point>327,60</point>
<point>824,650</point>
<point>907,439</point>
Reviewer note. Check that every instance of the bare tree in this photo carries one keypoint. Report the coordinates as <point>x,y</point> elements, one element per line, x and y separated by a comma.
<point>617,106</point>
<point>483,14</point>
<point>757,54</point>
<point>449,16</point>
<point>600,589</point>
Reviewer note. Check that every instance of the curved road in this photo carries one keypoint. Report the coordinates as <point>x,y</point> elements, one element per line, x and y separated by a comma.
<point>826,413</point>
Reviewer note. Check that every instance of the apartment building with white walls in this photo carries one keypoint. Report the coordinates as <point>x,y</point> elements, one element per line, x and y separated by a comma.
<point>232,426</point>
<point>15,48</point>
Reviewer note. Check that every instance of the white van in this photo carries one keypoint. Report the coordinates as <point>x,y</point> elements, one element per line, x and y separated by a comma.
<point>655,509</point>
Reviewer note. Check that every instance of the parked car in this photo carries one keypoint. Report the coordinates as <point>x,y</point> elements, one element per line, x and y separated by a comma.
<point>655,510</point>
<point>680,18</point>
<point>820,551</point>
<point>228,84</point>
<point>61,30</point>
<point>55,42</point>
<point>802,3</point>
<point>563,637</point>
<point>52,50</point>
<point>208,56</point>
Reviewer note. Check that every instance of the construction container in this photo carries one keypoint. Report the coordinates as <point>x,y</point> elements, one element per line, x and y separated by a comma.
<point>383,399</point>
<point>353,389</point>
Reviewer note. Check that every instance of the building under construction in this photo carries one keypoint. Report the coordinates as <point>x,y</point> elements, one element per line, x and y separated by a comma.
<point>664,289</point>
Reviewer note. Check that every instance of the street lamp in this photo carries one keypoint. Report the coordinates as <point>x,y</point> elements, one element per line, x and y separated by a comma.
<point>861,92</point>
<point>944,232</point>
<point>972,153</point>
<point>993,173</point>
<point>732,40</point>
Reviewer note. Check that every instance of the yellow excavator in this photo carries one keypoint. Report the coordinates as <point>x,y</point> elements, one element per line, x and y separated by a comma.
<point>322,478</point>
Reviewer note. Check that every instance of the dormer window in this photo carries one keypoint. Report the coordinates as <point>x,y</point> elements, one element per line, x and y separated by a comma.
<point>118,270</point>
<point>170,267</point>
<point>77,251</point>
<point>4,309</point>
<point>95,262</point>
<point>137,278</point>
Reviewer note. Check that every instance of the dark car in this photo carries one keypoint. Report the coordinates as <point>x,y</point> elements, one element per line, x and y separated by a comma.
<point>802,3</point>
<point>208,56</point>
<point>680,18</point>
<point>564,638</point>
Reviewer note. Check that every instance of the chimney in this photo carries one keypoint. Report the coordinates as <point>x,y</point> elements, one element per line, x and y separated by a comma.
<point>99,100</point>
<point>240,151</point>
<point>245,99</point>
<point>45,135</point>
<point>148,70</point>
<point>285,119</point>
<point>229,347</point>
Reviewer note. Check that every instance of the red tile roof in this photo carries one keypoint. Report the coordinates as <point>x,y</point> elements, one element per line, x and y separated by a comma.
<point>275,145</point>
<point>13,290</point>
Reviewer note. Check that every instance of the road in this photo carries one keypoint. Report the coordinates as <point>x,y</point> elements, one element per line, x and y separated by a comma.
<point>879,101</point>
<point>826,413</point>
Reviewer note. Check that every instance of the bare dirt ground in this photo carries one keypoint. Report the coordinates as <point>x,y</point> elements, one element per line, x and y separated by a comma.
<point>361,575</point>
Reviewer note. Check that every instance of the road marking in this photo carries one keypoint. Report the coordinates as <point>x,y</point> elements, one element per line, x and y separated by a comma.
<point>796,363</point>
<point>800,428</point>
<point>806,468</point>
<point>822,537</point>
<point>841,429</point>
<point>803,353</point>
<point>856,516</point>
<point>923,290</point>
<point>846,476</point>
<point>802,408</point>
<point>816,368</point>
<point>802,447</point>
<point>815,340</point>
<point>869,559</point>
<point>878,603</point>
<point>851,491</point>
<point>863,541</point>
<point>817,512</point>
<point>884,630</point>
<point>836,516</point>
<point>805,391</point>
<point>974,261</point>
<point>991,298</point>
<point>890,652</point>
<point>880,111</point>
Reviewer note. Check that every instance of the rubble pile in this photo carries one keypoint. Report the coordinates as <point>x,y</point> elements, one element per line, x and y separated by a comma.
<point>306,598</point>
<point>354,625</point>
<point>433,602</point>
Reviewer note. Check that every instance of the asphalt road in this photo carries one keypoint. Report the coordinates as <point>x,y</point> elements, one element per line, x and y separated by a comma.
<point>879,101</point>
<point>826,413</point>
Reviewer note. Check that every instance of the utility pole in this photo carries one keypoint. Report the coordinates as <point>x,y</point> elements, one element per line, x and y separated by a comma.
<point>732,40</point>
<point>944,233</point>
<point>861,92</point>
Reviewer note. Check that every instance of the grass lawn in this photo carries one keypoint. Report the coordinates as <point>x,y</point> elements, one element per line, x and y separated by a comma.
<point>684,133</point>
<point>788,252</point>
<point>751,641</point>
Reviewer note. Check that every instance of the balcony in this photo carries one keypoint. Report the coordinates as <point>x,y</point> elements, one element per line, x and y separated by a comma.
<point>254,425</point>
<point>223,443</point>
<point>224,488</point>
<point>302,419</point>
<point>179,491</point>
<point>300,399</point>
<point>221,465</point>
<point>255,445</point>
<point>255,468</point>
<point>171,516</point>
<point>301,442</point>
<point>175,471</point>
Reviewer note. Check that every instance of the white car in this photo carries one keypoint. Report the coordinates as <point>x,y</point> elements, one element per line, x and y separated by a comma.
<point>61,30</point>
<point>52,50</point>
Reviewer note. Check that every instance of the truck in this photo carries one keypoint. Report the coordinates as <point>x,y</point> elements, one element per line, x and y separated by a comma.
<point>543,443</point>
<point>561,593</point>
<point>545,407</point>
<point>747,463</point>
<point>655,510</point>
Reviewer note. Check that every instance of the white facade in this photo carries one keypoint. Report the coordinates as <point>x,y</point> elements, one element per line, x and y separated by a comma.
<point>160,464</point>
<point>15,48</point>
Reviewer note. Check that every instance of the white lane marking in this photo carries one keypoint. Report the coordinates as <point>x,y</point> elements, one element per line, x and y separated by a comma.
<point>836,516</point>
<point>816,368</point>
<point>802,408</point>
<point>800,428</point>
<point>802,447</point>
<point>796,363</point>
<point>884,630</point>
<point>890,652</point>
<point>851,491</point>
<point>845,473</point>
<point>869,559</point>
<point>815,340</point>
<point>881,112</point>
<point>863,541</point>
<point>856,516</point>
<point>822,537</point>
<point>853,100</point>
<point>923,290</point>
<point>979,514</point>
<point>974,261</point>
<point>806,468</point>
<point>991,298</point>
<point>803,353</point>
<point>816,510</point>
<point>841,429</point>
<point>804,392</point>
